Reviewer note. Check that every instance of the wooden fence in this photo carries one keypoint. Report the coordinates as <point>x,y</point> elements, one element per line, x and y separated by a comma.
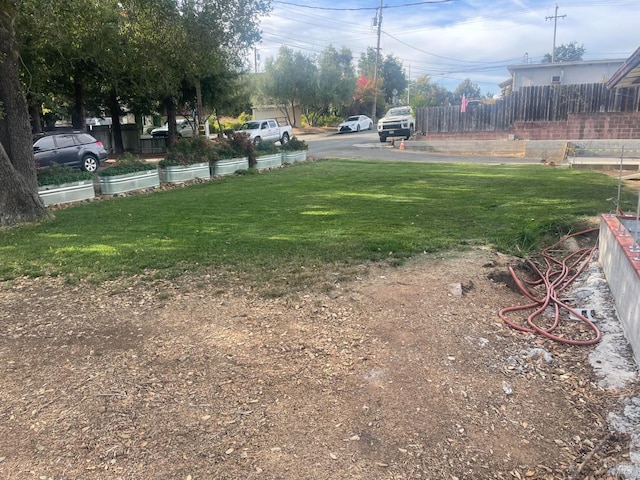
<point>529,104</point>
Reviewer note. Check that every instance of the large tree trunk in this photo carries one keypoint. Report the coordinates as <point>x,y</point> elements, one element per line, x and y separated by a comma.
<point>199,108</point>
<point>170,106</point>
<point>19,200</point>
<point>116,128</point>
<point>35,114</point>
<point>79,114</point>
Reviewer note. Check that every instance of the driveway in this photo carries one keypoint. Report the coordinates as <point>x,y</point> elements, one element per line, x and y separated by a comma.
<point>367,146</point>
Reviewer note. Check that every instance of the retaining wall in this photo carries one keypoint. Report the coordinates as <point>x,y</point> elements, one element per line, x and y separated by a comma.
<point>622,271</point>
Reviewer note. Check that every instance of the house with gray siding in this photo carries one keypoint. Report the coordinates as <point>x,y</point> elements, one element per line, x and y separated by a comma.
<point>561,73</point>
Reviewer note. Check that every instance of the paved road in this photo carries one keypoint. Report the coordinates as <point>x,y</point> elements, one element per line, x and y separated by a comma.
<point>367,146</point>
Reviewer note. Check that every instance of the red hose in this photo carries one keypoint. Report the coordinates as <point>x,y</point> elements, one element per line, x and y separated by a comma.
<point>557,277</point>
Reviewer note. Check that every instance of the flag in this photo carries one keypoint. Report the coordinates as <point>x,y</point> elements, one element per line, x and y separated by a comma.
<point>463,105</point>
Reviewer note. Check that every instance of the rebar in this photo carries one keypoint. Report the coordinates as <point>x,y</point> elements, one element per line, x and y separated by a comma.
<point>635,248</point>
<point>620,181</point>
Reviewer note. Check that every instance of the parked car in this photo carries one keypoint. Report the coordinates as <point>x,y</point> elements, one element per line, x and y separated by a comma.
<point>267,130</point>
<point>355,123</point>
<point>397,122</point>
<point>76,149</point>
<point>183,126</point>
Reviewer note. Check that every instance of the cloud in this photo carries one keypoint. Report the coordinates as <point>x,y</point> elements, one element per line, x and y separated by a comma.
<point>455,40</point>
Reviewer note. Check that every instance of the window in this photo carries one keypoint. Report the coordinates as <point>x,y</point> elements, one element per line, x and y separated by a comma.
<point>272,124</point>
<point>64,141</point>
<point>555,79</point>
<point>85,138</point>
<point>45,143</point>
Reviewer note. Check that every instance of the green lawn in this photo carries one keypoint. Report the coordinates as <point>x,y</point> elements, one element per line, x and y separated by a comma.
<point>324,212</point>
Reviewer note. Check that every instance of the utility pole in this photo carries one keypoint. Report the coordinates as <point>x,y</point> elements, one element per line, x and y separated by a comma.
<point>409,85</point>
<point>555,25</point>
<point>378,21</point>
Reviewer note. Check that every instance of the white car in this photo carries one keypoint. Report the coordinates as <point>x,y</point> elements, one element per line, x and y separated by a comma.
<point>183,126</point>
<point>355,123</point>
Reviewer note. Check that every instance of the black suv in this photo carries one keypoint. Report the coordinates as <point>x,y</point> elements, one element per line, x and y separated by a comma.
<point>78,150</point>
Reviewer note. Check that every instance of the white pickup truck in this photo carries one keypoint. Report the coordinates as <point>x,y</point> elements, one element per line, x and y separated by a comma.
<point>397,122</point>
<point>267,130</point>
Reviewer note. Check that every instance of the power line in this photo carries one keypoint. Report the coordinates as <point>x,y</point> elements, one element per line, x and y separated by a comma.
<point>363,8</point>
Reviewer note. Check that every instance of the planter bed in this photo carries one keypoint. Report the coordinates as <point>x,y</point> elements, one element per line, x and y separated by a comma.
<point>115,184</point>
<point>184,173</point>
<point>229,166</point>
<point>265,162</point>
<point>299,156</point>
<point>67,192</point>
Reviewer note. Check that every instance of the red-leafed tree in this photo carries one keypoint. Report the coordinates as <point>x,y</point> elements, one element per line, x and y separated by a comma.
<point>364,95</point>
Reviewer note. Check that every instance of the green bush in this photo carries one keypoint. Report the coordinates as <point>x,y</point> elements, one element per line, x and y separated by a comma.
<point>266,148</point>
<point>188,151</point>
<point>58,174</point>
<point>295,145</point>
<point>249,171</point>
<point>324,120</point>
<point>229,125</point>
<point>127,164</point>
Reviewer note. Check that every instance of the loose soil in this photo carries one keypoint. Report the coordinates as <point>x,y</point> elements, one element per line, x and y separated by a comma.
<point>373,373</point>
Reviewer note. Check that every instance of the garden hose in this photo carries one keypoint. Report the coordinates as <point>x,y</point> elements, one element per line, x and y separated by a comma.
<point>558,275</point>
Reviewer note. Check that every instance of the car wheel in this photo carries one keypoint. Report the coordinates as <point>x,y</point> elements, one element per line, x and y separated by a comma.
<point>370,125</point>
<point>410,133</point>
<point>285,139</point>
<point>383,139</point>
<point>90,163</point>
<point>257,140</point>
<point>358,128</point>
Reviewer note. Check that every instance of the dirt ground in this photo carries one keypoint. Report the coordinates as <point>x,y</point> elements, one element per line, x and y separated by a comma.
<point>378,373</point>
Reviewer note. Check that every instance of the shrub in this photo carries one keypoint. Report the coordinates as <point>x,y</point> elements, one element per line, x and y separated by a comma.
<point>58,174</point>
<point>188,151</point>
<point>127,164</point>
<point>295,145</point>
<point>249,171</point>
<point>235,145</point>
<point>266,148</point>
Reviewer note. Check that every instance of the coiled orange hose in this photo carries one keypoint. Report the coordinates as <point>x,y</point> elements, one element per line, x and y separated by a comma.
<point>557,277</point>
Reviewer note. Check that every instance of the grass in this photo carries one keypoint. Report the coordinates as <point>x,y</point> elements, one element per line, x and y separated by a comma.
<point>337,212</point>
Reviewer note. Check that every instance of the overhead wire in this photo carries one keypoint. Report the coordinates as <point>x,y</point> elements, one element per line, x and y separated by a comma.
<point>449,69</point>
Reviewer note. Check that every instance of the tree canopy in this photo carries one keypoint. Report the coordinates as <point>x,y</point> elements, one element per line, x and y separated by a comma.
<point>424,93</point>
<point>570,52</point>
<point>79,57</point>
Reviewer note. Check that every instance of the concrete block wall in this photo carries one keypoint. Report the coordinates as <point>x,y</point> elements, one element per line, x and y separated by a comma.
<point>583,126</point>
<point>579,126</point>
<point>495,135</point>
<point>623,276</point>
<point>467,146</point>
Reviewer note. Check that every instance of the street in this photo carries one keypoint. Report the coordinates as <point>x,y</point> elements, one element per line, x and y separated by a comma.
<point>367,146</point>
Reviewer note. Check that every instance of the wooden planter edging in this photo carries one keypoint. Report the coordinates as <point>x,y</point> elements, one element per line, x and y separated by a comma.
<point>229,166</point>
<point>273,160</point>
<point>67,192</point>
<point>299,156</point>
<point>112,185</point>
<point>181,174</point>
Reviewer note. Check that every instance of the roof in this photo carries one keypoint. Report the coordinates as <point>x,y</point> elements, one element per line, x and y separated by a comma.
<point>628,75</point>
<point>522,66</point>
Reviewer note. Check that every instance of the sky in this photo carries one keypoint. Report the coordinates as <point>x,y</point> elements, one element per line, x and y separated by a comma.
<point>453,40</point>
